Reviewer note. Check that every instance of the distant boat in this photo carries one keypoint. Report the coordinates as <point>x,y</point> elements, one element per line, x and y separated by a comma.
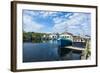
<point>64,42</point>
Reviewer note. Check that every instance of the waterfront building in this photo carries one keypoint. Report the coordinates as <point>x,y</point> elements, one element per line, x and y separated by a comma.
<point>54,36</point>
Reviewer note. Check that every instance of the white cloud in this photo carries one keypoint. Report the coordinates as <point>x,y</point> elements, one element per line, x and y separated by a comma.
<point>68,15</point>
<point>60,27</point>
<point>40,13</point>
<point>65,22</point>
<point>60,19</point>
<point>30,12</point>
<point>30,25</point>
<point>80,21</point>
<point>57,20</point>
<point>47,13</point>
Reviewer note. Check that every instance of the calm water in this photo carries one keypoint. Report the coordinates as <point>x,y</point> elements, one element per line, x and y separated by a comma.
<point>46,51</point>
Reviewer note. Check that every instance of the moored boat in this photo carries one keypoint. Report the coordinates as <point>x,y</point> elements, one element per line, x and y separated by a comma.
<point>64,42</point>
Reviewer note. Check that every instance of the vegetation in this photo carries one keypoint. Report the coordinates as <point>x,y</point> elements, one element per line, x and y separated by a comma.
<point>27,36</point>
<point>34,37</point>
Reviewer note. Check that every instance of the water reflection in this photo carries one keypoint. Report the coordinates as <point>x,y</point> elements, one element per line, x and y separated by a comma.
<point>63,51</point>
<point>47,51</point>
<point>68,54</point>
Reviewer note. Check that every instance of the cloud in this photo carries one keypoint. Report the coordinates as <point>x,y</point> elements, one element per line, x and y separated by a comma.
<point>61,17</point>
<point>37,21</point>
<point>77,21</point>
<point>50,21</point>
<point>30,12</point>
<point>30,25</point>
<point>57,20</point>
<point>40,13</point>
<point>47,13</point>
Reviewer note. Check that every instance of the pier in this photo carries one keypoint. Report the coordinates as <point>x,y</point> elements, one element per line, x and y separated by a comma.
<point>75,48</point>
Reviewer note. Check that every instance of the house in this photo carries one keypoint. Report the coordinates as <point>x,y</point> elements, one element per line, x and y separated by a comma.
<point>45,36</point>
<point>87,37</point>
<point>54,36</point>
<point>78,39</point>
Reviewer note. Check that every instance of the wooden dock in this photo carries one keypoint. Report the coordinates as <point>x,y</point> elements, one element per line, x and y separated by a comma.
<point>75,48</point>
<point>78,49</point>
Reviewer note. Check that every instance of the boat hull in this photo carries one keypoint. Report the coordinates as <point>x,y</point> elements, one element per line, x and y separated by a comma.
<point>64,42</point>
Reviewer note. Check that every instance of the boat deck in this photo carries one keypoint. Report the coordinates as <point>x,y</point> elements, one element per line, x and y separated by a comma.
<point>75,48</point>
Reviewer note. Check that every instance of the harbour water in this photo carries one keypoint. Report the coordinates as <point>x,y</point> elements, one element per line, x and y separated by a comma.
<point>47,51</point>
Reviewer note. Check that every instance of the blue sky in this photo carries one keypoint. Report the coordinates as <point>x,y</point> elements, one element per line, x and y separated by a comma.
<point>56,22</point>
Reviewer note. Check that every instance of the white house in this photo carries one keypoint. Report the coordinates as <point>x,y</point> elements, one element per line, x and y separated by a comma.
<point>54,36</point>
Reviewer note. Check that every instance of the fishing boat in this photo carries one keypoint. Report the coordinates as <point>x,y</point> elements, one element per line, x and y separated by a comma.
<point>62,42</point>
